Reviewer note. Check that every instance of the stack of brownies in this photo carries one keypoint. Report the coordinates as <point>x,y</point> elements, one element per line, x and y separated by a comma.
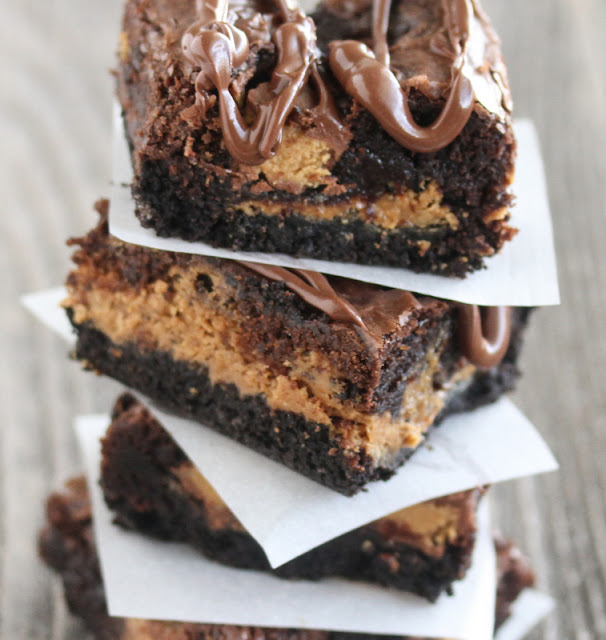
<point>372,133</point>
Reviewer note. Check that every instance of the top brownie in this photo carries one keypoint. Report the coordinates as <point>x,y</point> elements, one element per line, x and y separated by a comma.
<point>367,133</point>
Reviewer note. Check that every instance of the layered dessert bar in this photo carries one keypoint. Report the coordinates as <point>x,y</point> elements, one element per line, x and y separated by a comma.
<point>67,545</point>
<point>152,487</point>
<point>337,379</point>
<point>370,132</point>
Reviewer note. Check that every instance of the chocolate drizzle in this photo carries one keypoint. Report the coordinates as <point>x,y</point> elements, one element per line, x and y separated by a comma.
<point>217,46</point>
<point>314,288</point>
<point>484,333</point>
<point>380,23</point>
<point>366,76</point>
<point>374,311</point>
<point>253,131</point>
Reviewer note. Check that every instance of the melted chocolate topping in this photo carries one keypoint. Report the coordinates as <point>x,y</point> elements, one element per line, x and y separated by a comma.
<point>217,46</point>
<point>252,131</point>
<point>483,334</point>
<point>374,311</point>
<point>314,288</point>
<point>366,76</point>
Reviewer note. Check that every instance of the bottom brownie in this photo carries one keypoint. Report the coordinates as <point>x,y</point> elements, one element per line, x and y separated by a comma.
<point>67,545</point>
<point>152,487</point>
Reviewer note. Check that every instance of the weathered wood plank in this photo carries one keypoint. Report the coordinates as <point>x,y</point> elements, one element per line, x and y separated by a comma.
<point>556,65</point>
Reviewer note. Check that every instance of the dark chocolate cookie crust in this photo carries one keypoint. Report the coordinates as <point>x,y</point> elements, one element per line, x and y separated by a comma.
<point>66,544</point>
<point>286,437</point>
<point>136,477</point>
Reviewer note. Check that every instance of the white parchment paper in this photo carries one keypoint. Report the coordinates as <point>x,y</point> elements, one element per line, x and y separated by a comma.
<point>145,578</point>
<point>528,610</point>
<point>45,306</point>
<point>523,274</point>
<point>289,514</point>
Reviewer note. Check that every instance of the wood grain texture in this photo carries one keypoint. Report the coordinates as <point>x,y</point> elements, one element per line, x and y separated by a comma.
<point>54,125</point>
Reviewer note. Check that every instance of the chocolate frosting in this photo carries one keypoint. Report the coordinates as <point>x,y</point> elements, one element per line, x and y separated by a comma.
<point>374,311</point>
<point>218,43</point>
<point>483,334</point>
<point>382,309</point>
<point>367,77</point>
<point>314,288</point>
<point>218,47</point>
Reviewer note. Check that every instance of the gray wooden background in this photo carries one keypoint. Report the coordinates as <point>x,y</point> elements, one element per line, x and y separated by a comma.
<point>55,101</point>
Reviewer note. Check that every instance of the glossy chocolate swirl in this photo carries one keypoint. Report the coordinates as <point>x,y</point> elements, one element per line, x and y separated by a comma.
<point>484,333</point>
<point>218,47</point>
<point>312,287</point>
<point>366,77</point>
<point>215,45</point>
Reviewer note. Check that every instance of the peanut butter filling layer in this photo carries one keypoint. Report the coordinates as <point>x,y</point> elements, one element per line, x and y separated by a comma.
<point>137,629</point>
<point>193,483</point>
<point>202,330</point>
<point>434,524</point>
<point>391,211</point>
<point>429,526</point>
<point>301,161</point>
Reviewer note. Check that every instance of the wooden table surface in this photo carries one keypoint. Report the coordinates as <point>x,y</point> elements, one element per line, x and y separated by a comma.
<point>55,100</point>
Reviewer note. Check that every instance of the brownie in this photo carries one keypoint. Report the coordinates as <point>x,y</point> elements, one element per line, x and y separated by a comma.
<point>153,488</point>
<point>337,379</point>
<point>67,545</point>
<point>281,152</point>
<point>514,573</point>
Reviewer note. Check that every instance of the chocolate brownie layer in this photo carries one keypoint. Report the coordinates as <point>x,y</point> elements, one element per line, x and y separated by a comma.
<point>153,488</point>
<point>336,185</point>
<point>67,545</point>
<point>343,398</point>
